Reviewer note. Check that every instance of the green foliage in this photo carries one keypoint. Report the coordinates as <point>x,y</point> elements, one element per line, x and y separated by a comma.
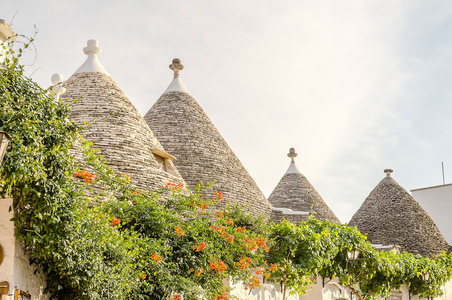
<point>316,248</point>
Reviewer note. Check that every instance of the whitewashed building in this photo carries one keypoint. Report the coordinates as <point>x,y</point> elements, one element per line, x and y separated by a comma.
<point>437,202</point>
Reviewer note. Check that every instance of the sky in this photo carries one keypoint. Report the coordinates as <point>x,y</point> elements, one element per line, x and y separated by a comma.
<point>354,86</point>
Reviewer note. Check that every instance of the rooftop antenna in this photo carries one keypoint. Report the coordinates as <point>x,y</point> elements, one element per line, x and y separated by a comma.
<point>442,165</point>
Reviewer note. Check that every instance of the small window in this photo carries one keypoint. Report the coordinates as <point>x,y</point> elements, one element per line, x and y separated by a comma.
<point>163,160</point>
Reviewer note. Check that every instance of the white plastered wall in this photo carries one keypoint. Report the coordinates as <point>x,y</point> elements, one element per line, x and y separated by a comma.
<point>437,202</point>
<point>15,267</point>
<point>7,241</point>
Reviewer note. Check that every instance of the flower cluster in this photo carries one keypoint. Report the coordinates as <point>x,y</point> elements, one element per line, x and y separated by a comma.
<point>115,221</point>
<point>200,247</point>
<point>197,273</point>
<point>179,231</point>
<point>143,277</point>
<point>240,229</point>
<point>223,297</point>
<point>87,176</point>
<point>229,238</point>
<point>253,244</point>
<point>218,265</point>
<point>203,206</point>
<point>156,258</point>
<point>175,297</point>
<point>269,270</point>
<point>174,187</point>
<point>258,271</point>
<point>218,196</point>
<point>230,222</point>
<point>127,177</point>
<point>244,263</point>
<point>222,231</point>
<point>253,283</point>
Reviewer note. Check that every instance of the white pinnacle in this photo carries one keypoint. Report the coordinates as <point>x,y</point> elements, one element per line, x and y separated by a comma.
<point>57,89</point>
<point>92,63</point>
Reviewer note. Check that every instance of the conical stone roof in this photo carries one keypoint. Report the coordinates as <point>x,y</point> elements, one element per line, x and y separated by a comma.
<point>390,216</point>
<point>115,126</point>
<point>184,129</point>
<point>294,191</point>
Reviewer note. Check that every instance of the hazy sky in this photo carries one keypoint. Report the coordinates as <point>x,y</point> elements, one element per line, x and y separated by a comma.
<point>354,86</point>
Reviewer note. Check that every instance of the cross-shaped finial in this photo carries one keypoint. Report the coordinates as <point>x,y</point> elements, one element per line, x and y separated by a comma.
<point>388,172</point>
<point>176,66</point>
<point>292,154</point>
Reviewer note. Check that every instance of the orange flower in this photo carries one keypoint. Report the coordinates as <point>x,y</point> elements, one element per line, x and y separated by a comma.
<point>218,265</point>
<point>143,277</point>
<point>197,273</point>
<point>115,221</point>
<point>179,231</point>
<point>156,258</point>
<point>244,263</point>
<point>230,238</point>
<point>218,196</point>
<point>203,206</point>
<point>88,177</point>
<point>200,247</point>
<point>223,297</point>
<point>174,187</point>
<point>254,282</point>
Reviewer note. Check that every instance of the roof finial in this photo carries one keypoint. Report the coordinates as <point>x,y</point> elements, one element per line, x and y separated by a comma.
<point>92,63</point>
<point>57,89</point>
<point>176,66</point>
<point>388,172</point>
<point>93,48</point>
<point>292,154</point>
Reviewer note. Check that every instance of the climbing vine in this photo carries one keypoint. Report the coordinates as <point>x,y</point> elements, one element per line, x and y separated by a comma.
<point>319,248</point>
<point>96,236</point>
